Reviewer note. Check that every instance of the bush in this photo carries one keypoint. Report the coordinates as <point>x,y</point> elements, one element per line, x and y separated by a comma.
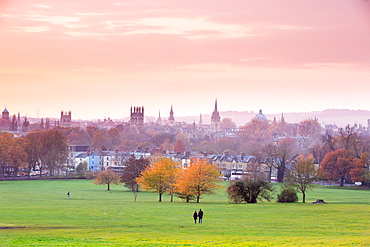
<point>249,191</point>
<point>287,194</point>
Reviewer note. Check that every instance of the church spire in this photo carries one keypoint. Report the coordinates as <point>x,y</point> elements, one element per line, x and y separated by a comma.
<point>171,119</point>
<point>159,120</point>
<point>215,118</point>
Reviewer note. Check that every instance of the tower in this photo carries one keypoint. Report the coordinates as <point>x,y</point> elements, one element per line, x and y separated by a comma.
<point>5,114</point>
<point>65,119</point>
<point>171,119</point>
<point>159,120</point>
<point>137,115</point>
<point>215,118</point>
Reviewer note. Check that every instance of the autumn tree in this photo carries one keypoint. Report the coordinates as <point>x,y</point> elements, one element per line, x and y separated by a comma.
<point>285,150</point>
<point>205,147</point>
<point>256,130</point>
<point>161,138</point>
<point>224,144</point>
<point>310,127</point>
<point>227,123</point>
<point>159,177</point>
<point>179,146</point>
<point>361,171</point>
<point>17,155</point>
<point>133,169</point>
<point>54,150</point>
<point>198,179</point>
<point>12,154</point>
<point>107,177</point>
<point>267,156</point>
<point>78,136</point>
<point>337,165</point>
<point>100,140</point>
<point>302,174</point>
<point>32,145</point>
<point>6,140</point>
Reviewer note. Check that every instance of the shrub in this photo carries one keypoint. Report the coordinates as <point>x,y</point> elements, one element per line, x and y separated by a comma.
<point>287,194</point>
<point>249,191</point>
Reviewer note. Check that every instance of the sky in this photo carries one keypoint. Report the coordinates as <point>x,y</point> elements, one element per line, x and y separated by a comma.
<point>99,58</point>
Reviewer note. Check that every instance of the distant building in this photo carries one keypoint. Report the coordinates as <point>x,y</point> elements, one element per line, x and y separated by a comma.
<point>215,118</point>
<point>137,116</point>
<point>5,114</point>
<point>261,117</point>
<point>25,125</point>
<point>171,119</point>
<point>159,120</point>
<point>65,119</point>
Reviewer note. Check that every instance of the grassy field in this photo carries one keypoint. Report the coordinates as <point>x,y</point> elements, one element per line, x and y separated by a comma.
<point>38,213</point>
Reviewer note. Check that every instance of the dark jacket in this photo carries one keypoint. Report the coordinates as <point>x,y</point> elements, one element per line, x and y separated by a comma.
<point>200,214</point>
<point>195,215</point>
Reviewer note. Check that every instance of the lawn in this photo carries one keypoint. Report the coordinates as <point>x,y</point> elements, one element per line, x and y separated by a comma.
<point>38,213</point>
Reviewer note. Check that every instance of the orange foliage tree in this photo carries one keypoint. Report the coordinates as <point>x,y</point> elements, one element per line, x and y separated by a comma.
<point>361,172</point>
<point>198,179</point>
<point>160,177</point>
<point>337,165</point>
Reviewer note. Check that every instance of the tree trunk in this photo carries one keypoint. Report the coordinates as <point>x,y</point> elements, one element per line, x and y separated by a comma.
<point>341,182</point>
<point>198,197</point>
<point>108,186</point>
<point>270,172</point>
<point>160,197</point>
<point>281,173</point>
<point>303,197</point>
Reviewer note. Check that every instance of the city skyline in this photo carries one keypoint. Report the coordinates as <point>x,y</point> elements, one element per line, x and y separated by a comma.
<point>99,59</point>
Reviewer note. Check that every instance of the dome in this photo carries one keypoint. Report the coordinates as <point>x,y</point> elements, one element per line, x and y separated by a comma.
<point>5,111</point>
<point>261,117</point>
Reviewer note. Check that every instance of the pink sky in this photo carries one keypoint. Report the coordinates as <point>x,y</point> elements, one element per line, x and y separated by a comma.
<point>99,58</point>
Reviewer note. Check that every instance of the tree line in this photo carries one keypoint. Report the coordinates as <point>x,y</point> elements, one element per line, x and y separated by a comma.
<point>163,175</point>
<point>45,150</point>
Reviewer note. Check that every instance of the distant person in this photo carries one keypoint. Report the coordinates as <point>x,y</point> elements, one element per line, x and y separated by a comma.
<point>200,216</point>
<point>195,216</point>
<point>69,194</point>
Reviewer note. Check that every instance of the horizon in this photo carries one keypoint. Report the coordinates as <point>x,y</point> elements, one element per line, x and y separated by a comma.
<point>236,116</point>
<point>97,60</point>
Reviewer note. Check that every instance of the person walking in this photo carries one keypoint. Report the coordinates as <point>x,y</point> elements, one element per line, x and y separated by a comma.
<point>69,194</point>
<point>200,216</point>
<point>195,216</point>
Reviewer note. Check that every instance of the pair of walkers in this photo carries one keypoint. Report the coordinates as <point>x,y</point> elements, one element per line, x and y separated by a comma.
<point>198,215</point>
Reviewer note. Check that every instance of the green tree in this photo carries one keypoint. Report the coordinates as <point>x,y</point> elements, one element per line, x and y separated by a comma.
<point>249,191</point>
<point>82,168</point>
<point>287,194</point>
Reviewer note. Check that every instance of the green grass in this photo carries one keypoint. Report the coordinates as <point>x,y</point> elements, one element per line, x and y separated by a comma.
<point>38,213</point>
